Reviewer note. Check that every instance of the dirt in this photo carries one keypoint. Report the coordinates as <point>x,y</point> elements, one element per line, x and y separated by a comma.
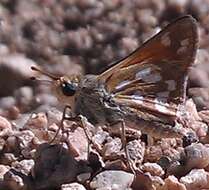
<point>68,37</point>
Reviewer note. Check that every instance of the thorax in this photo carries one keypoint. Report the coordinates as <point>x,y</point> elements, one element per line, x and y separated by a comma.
<point>93,101</point>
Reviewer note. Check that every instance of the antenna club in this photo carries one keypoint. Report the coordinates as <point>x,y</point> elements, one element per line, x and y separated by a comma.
<point>32,78</point>
<point>34,68</point>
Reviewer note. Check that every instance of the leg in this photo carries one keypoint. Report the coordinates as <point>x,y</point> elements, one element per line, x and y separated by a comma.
<point>61,127</point>
<point>124,144</point>
<point>82,122</point>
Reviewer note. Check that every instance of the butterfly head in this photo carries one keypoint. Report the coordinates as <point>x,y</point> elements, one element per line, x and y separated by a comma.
<point>64,88</point>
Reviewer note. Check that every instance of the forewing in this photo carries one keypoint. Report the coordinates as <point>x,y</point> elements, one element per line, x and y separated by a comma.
<point>157,71</point>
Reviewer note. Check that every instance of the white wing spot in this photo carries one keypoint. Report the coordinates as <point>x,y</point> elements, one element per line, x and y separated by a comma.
<point>143,73</point>
<point>165,39</point>
<point>171,85</point>
<point>184,46</point>
<point>160,106</point>
<point>185,42</point>
<point>147,76</point>
<point>122,84</point>
<point>137,99</point>
<point>155,77</point>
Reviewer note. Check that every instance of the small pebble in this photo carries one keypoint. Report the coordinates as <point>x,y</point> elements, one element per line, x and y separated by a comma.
<point>116,180</point>
<point>72,186</point>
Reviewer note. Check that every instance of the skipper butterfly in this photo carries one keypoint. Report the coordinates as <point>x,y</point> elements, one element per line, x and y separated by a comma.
<point>146,90</point>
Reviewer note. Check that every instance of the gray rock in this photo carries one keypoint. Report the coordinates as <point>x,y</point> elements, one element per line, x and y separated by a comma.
<point>117,180</point>
<point>24,166</point>
<point>24,96</point>
<point>7,102</point>
<point>72,186</point>
<point>15,71</point>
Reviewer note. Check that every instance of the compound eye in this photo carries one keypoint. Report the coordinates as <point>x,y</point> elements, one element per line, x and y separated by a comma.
<point>68,89</point>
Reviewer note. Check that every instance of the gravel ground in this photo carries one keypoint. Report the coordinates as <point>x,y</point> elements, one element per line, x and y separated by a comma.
<point>80,37</point>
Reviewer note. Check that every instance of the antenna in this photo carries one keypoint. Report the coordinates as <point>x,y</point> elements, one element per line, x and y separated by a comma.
<point>44,73</point>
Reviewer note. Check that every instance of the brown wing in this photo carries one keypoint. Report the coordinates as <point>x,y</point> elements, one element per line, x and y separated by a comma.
<point>157,71</point>
<point>151,81</point>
